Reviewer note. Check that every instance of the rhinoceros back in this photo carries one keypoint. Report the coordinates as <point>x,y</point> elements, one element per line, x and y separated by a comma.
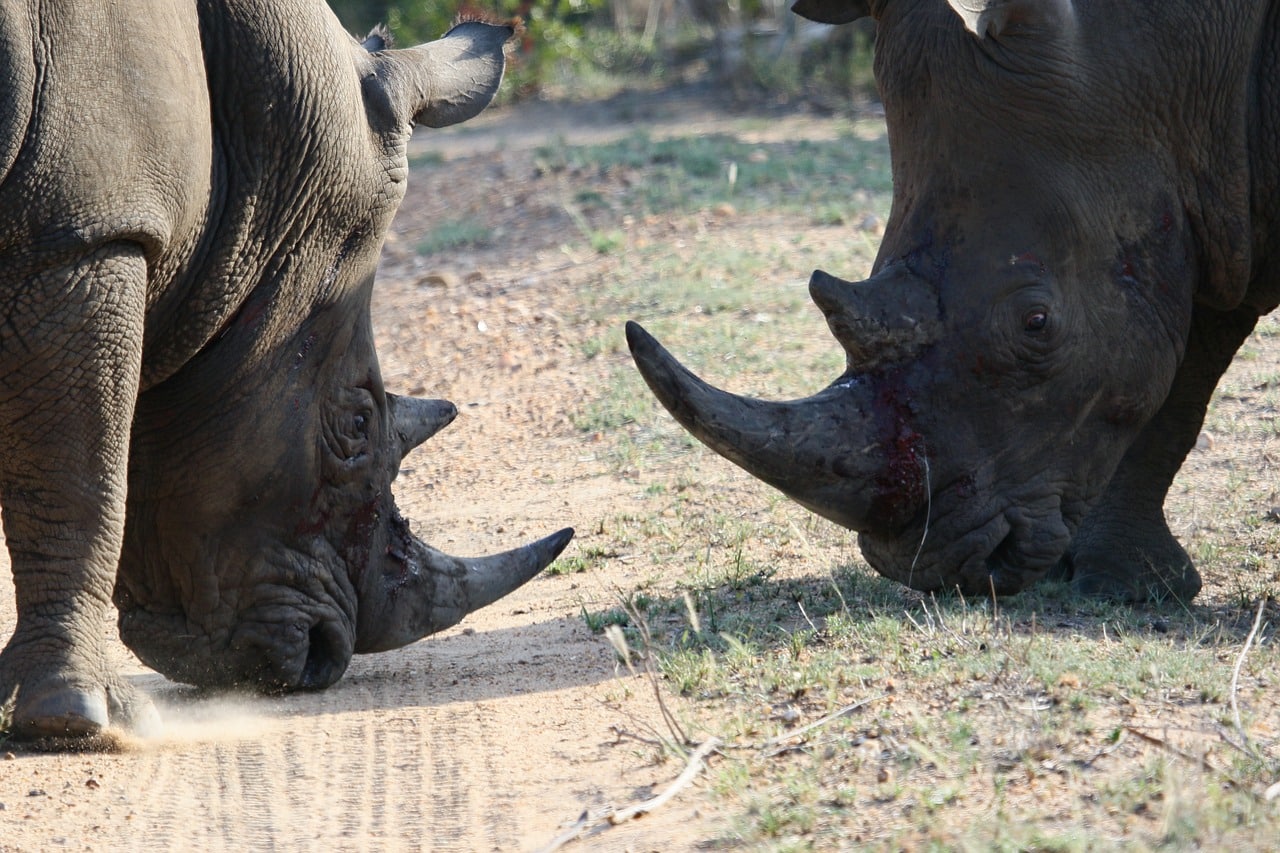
<point>103,129</point>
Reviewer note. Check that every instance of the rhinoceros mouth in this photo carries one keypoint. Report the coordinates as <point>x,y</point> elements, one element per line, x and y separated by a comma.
<point>1001,551</point>
<point>281,657</point>
<point>268,655</point>
<point>292,630</point>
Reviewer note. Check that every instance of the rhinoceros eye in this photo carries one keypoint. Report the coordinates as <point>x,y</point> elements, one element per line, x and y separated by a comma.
<point>350,427</point>
<point>1035,321</point>
<point>350,435</point>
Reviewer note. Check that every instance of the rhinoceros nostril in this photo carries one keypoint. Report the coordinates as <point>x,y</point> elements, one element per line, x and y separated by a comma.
<point>1000,565</point>
<point>325,663</point>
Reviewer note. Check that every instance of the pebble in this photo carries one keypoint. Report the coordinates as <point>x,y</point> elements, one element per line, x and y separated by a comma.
<point>445,280</point>
<point>871,224</point>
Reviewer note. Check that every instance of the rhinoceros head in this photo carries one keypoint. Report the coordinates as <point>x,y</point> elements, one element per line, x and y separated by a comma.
<point>263,546</point>
<point>1030,302</point>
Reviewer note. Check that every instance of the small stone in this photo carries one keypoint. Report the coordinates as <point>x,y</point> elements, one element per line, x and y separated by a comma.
<point>439,278</point>
<point>724,210</point>
<point>884,775</point>
<point>871,224</point>
<point>1205,441</point>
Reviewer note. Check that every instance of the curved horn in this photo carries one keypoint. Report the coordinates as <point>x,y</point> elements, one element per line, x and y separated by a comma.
<point>441,82</point>
<point>822,451</point>
<point>421,590</point>
<point>885,319</point>
<point>415,419</point>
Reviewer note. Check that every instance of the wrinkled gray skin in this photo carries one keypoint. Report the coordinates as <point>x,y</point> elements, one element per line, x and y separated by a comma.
<point>1084,230</point>
<point>194,197</point>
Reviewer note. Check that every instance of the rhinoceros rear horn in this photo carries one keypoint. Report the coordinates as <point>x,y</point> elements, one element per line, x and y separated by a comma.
<point>441,82</point>
<point>885,319</point>
<point>421,590</point>
<point>416,419</point>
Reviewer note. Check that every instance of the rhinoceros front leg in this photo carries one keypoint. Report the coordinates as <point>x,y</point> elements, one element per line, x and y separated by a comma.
<point>70,355</point>
<point>1124,549</point>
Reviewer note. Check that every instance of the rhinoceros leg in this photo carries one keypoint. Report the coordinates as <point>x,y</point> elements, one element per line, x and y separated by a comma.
<point>69,363</point>
<point>1124,549</point>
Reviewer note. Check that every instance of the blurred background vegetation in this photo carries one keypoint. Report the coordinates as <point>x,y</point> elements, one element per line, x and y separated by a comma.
<point>581,49</point>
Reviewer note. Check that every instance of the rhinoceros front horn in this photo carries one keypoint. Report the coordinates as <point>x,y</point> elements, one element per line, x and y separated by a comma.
<point>419,590</point>
<point>820,451</point>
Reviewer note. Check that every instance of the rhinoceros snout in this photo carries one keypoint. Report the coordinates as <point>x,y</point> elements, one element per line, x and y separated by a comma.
<point>289,657</point>
<point>324,663</point>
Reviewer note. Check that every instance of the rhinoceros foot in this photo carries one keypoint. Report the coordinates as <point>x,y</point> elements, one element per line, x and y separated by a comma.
<point>1135,562</point>
<point>70,705</point>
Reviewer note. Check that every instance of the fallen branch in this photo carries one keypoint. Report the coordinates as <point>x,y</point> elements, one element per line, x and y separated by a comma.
<point>568,835</point>
<point>834,715</point>
<point>584,825</point>
<point>1204,763</point>
<point>697,760</point>
<point>620,734</point>
<point>1235,673</point>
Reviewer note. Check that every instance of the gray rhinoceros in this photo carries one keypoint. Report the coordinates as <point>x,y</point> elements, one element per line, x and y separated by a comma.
<point>193,199</point>
<point>1085,227</point>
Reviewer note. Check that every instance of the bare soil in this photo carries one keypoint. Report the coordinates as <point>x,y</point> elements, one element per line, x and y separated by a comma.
<point>500,733</point>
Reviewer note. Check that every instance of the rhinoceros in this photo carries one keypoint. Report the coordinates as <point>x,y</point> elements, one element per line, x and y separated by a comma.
<point>1084,229</point>
<point>193,198</point>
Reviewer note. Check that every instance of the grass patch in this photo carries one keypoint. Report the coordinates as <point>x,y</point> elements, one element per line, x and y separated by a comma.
<point>583,560</point>
<point>649,176</point>
<point>454,234</point>
<point>948,724</point>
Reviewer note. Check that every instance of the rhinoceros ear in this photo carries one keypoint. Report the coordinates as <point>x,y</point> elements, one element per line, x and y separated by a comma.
<point>441,82</point>
<point>992,17</point>
<point>832,11</point>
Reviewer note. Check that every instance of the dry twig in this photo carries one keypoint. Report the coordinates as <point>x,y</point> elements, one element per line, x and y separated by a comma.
<point>1164,744</point>
<point>834,715</point>
<point>585,825</point>
<point>1235,674</point>
<point>697,760</point>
